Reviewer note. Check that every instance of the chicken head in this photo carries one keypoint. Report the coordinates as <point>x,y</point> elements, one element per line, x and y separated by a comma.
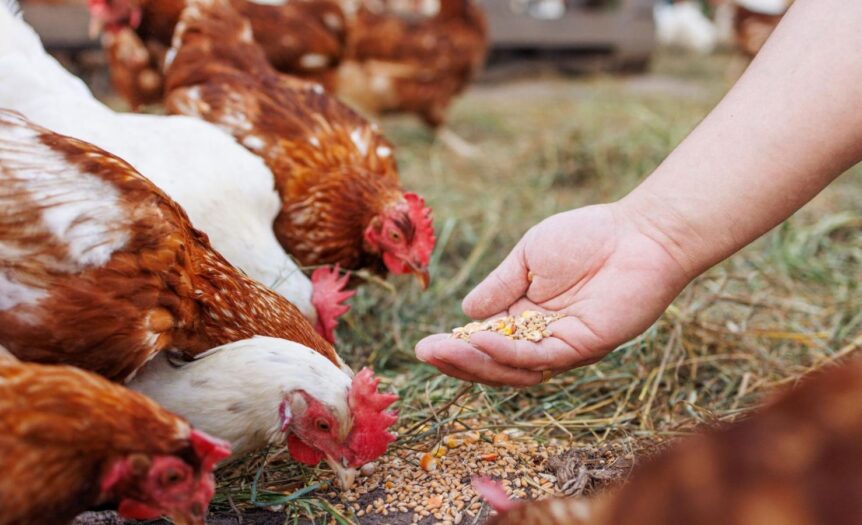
<point>151,486</point>
<point>404,234</point>
<point>316,433</point>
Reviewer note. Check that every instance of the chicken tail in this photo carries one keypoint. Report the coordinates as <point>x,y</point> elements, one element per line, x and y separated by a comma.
<point>327,297</point>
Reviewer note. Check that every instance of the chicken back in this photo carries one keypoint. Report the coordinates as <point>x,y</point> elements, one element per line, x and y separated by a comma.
<point>100,269</point>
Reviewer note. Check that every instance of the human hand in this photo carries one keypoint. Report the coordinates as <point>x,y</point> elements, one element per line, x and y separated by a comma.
<point>599,266</point>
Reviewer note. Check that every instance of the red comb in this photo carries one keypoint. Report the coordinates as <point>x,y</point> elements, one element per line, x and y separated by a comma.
<point>327,297</point>
<point>492,492</point>
<point>210,450</point>
<point>369,437</point>
<point>420,216</point>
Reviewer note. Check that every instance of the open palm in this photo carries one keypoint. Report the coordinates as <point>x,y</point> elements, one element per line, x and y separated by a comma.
<point>608,277</point>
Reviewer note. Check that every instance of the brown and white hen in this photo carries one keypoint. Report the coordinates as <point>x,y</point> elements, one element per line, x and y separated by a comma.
<point>342,200</point>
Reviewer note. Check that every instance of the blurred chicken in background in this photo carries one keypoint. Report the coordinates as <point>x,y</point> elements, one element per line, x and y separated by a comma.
<point>301,37</point>
<point>754,20</point>
<point>413,64</point>
<point>684,25</point>
<point>796,462</point>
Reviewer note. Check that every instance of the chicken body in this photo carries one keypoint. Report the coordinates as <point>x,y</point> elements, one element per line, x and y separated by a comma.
<point>227,191</point>
<point>416,66</point>
<point>69,441</point>
<point>754,21</point>
<point>102,270</point>
<point>341,200</point>
<point>797,462</point>
<point>301,37</point>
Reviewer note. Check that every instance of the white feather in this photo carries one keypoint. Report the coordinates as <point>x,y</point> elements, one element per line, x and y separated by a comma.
<point>79,213</point>
<point>768,7</point>
<point>227,191</point>
<point>684,25</point>
<point>243,408</point>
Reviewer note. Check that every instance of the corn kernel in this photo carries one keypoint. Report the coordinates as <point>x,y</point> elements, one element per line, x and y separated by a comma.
<point>451,442</point>
<point>428,463</point>
<point>502,437</point>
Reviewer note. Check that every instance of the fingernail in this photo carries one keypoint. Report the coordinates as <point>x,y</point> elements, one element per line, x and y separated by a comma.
<point>422,355</point>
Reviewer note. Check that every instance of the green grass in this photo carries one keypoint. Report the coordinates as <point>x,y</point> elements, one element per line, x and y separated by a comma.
<point>788,303</point>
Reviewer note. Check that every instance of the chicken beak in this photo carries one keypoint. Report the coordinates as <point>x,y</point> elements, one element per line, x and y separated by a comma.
<point>346,475</point>
<point>424,278</point>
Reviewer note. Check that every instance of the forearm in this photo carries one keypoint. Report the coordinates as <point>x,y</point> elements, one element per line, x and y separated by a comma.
<point>790,125</point>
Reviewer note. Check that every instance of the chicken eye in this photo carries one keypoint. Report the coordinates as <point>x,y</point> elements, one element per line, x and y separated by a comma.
<point>322,425</point>
<point>171,477</point>
<point>395,235</point>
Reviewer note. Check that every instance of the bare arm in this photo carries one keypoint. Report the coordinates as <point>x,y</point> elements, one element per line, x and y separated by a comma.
<point>790,126</point>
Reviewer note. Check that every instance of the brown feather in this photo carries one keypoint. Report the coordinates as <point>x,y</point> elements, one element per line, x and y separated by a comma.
<point>415,66</point>
<point>59,428</point>
<point>300,37</point>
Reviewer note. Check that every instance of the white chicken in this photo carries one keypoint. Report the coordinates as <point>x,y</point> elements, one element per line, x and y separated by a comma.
<point>683,25</point>
<point>227,191</point>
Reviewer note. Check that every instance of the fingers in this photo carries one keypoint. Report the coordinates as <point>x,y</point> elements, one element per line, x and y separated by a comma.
<point>462,360</point>
<point>571,345</point>
<point>503,286</point>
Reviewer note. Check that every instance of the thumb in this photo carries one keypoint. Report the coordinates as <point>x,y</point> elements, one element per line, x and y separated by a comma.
<point>505,285</point>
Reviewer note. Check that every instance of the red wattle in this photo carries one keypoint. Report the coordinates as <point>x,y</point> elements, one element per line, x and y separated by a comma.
<point>136,510</point>
<point>302,452</point>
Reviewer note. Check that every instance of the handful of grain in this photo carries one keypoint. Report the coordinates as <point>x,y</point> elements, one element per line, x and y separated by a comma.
<point>529,326</point>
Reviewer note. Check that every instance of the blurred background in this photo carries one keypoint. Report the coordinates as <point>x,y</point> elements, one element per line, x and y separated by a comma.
<point>527,36</point>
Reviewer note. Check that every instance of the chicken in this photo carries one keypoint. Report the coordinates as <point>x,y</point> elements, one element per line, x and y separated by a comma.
<point>298,398</point>
<point>754,20</point>
<point>73,441</point>
<point>684,25</point>
<point>341,199</point>
<point>394,64</point>
<point>135,66</point>
<point>227,191</point>
<point>796,462</point>
<point>301,37</point>
<point>101,270</point>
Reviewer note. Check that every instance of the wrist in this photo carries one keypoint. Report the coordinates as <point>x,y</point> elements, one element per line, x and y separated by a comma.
<point>691,250</point>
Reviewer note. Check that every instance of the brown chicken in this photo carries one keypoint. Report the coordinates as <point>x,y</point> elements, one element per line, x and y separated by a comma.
<point>71,441</point>
<point>301,37</point>
<point>752,25</point>
<point>100,269</point>
<point>395,64</point>
<point>798,462</point>
<point>342,201</point>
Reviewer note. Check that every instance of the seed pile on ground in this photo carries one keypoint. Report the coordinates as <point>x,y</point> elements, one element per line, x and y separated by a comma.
<point>434,485</point>
<point>529,326</point>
